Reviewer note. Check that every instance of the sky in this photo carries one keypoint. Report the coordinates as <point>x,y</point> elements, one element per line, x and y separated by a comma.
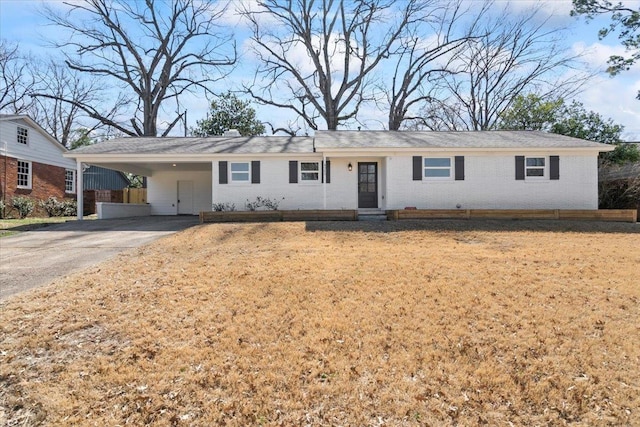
<point>612,97</point>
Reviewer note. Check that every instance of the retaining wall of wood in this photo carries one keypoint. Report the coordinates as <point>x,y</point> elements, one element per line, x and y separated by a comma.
<point>620,215</point>
<point>275,216</point>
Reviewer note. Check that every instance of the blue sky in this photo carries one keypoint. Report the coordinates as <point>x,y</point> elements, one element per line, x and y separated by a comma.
<point>21,22</point>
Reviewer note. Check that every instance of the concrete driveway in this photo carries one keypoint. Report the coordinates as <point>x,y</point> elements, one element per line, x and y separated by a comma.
<point>34,258</point>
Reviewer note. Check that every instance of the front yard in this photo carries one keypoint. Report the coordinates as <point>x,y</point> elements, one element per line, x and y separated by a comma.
<point>404,323</point>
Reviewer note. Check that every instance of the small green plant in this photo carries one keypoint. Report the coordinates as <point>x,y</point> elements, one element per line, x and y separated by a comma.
<point>223,207</point>
<point>262,202</point>
<point>23,204</point>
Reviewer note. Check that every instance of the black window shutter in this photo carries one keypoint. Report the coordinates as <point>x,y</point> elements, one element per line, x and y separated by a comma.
<point>554,167</point>
<point>328,171</point>
<point>223,176</point>
<point>520,168</point>
<point>255,172</point>
<point>417,168</point>
<point>293,171</point>
<point>459,165</point>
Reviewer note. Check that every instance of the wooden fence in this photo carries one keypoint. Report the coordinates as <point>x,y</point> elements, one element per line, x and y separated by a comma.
<point>127,195</point>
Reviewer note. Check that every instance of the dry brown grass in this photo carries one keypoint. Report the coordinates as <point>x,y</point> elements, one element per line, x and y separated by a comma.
<point>435,323</point>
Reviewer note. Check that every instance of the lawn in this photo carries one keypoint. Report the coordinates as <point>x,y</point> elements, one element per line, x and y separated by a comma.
<point>408,323</point>
<point>9,227</point>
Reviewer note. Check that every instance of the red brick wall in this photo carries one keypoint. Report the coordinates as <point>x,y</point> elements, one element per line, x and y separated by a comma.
<point>46,180</point>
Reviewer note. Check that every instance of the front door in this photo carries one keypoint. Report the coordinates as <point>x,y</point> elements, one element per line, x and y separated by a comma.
<point>185,197</point>
<point>367,185</point>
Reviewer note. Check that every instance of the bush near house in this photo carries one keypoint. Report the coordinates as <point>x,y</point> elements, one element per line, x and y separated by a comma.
<point>53,207</point>
<point>24,205</point>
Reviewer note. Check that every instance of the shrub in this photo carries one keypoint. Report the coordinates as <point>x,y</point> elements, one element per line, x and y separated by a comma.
<point>222,207</point>
<point>23,204</point>
<point>260,202</point>
<point>69,207</point>
<point>2,206</point>
<point>53,207</point>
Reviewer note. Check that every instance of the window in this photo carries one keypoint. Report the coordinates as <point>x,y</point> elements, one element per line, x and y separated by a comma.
<point>23,135</point>
<point>309,171</point>
<point>534,167</point>
<point>69,181</point>
<point>24,174</point>
<point>437,167</point>
<point>240,172</point>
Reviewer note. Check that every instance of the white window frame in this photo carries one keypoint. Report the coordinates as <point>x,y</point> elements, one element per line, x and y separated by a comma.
<point>318,172</point>
<point>29,174</point>
<point>69,184</point>
<point>235,179</point>
<point>437,178</point>
<point>22,135</point>
<point>542,167</point>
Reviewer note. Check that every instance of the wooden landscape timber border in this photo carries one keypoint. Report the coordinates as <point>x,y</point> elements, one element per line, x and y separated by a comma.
<point>619,215</point>
<point>276,216</point>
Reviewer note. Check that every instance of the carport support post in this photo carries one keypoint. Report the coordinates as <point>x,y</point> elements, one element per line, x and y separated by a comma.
<point>79,191</point>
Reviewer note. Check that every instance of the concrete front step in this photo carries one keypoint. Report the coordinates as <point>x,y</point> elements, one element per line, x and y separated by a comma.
<point>372,216</point>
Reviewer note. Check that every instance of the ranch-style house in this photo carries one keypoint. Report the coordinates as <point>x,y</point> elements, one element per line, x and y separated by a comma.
<point>364,170</point>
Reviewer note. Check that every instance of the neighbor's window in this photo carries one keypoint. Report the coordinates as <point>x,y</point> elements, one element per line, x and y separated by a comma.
<point>309,171</point>
<point>23,135</point>
<point>240,172</point>
<point>437,167</point>
<point>24,174</point>
<point>69,181</point>
<point>534,166</point>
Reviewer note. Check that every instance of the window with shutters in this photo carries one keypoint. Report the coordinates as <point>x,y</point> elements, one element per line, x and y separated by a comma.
<point>437,168</point>
<point>534,167</point>
<point>24,174</point>
<point>240,172</point>
<point>309,172</point>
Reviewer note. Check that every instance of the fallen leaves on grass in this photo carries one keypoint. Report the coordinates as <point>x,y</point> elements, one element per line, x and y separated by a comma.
<point>287,324</point>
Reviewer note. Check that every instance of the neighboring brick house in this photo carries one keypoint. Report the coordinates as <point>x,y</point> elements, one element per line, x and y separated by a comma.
<point>31,162</point>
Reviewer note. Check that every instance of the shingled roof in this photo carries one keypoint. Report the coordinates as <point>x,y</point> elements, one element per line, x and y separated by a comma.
<point>336,141</point>
<point>451,139</point>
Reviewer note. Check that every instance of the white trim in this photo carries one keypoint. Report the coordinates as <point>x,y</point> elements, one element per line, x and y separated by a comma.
<point>239,181</point>
<point>25,136</point>
<point>73,181</point>
<point>438,178</point>
<point>29,185</point>
<point>544,168</point>
<point>319,172</point>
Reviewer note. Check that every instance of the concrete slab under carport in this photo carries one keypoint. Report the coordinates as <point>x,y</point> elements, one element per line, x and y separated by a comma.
<point>35,258</point>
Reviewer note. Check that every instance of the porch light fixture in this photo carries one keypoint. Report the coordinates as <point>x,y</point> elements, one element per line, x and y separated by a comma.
<point>350,167</point>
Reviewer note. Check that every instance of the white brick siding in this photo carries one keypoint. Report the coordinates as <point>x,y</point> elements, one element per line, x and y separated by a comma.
<point>490,184</point>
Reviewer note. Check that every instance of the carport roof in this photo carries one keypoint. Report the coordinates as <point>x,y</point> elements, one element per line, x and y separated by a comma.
<point>208,145</point>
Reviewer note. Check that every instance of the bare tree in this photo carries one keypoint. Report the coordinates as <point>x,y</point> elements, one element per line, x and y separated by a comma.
<point>426,54</point>
<point>153,51</point>
<point>316,58</point>
<point>57,98</point>
<point>513,55</point>
<point>16,80</point>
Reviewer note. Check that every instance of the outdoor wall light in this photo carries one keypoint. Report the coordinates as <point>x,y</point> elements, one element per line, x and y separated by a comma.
<point>350,167</point>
